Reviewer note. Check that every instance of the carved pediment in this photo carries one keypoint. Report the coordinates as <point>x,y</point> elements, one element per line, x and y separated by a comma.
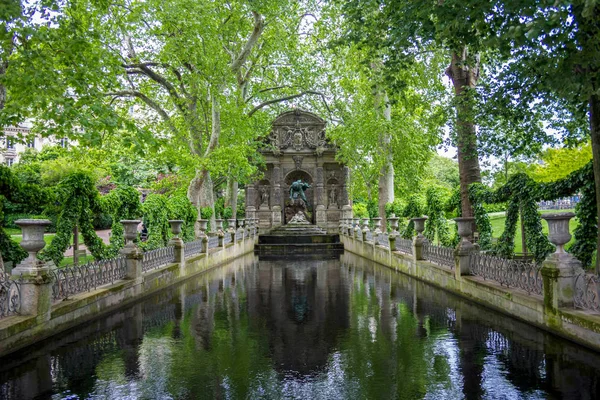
<point>298,130</point>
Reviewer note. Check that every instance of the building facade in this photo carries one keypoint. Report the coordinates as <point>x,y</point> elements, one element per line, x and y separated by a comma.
<point>297,149</point>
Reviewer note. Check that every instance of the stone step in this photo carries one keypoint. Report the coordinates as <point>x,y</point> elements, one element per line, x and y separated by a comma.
<point>297,239</point>
<point>295,249</point>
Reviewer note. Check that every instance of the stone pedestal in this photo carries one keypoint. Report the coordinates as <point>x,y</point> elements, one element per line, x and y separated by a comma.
<point>321,216</point>
<point>35,276</point>
<point>560,268</point>
<point>275,216</point>
<point>558,274</point>
<point>176,242</point>
<point>131,251</point>
<point>419,240</point>
<point>465,247</point>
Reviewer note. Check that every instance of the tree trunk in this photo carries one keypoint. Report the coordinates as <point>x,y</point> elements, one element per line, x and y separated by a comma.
<point>595,134</point>
<point>232,195</point>
<point>464,74</point>
<point>386,173</point>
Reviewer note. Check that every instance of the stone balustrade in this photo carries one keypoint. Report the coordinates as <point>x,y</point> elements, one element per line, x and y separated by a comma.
<point>34,285</point>
<point>556,294</point>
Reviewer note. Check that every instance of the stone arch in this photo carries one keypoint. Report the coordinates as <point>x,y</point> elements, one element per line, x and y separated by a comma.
<point>310,193</point>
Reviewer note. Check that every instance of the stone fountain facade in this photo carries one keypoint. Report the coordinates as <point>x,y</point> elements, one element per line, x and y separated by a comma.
<point>298,149</point>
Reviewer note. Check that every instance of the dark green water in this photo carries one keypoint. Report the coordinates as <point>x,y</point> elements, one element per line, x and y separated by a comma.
<point>311,330</point>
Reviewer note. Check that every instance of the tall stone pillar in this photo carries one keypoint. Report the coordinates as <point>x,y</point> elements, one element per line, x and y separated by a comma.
<point>344,198</point>
<point>276,203</point>
<point>321,215</point>
<point>250,198</point>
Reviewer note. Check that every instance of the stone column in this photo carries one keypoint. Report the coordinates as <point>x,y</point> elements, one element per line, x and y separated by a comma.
<point>176,242</point>
<point>463,252</point>
<point>321,214</point>
<point>131,251</point>
<point>35,276</point>
<point>419,240</point>
<point>250,198</point>
<point>277,200</point>
<point>344,198</point>
<point>559,268</point>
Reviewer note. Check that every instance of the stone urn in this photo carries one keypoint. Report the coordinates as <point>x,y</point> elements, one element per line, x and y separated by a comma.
<point>558,229</point>
<point>365,224</point>
<point>241,222</point>
<point>394,224</point>
<point>203,226</point>
<point>176,226</point>
<point>130,228</point>
<point>219,225</point>
<point>33,241</point>
<point>419,225</point>
<point>465,228</point>
<point>231,222</point>
<point>377,222</point>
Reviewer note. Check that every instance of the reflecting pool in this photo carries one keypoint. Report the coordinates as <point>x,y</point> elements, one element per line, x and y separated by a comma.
<point>331,329</point>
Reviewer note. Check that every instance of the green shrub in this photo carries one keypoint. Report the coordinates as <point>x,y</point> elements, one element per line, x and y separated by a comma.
<point>359,210</point>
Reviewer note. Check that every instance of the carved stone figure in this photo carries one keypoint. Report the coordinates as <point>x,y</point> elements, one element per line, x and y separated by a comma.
<point>297,191</point>
<point>333,196</point>
<point>264,197</point>
<point>299,218</point>
<point>298,140</point>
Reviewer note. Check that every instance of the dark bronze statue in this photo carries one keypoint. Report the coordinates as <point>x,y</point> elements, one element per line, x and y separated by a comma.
<point>297,190</point>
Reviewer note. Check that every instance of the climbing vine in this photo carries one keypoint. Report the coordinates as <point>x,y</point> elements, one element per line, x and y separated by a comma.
<point>80,201</point>
<point>522,195</point>
<point>436,222</point>
<point>156,219</point>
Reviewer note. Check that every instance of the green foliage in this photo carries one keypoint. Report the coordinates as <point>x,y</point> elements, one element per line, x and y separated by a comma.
<point>206,212</point>
<point>436,197</point>
<point>359,210</point>
<point>414,208</point>
<point>181,208</point>
<point>396,208</point>
<point>227,213</point>
<point>156,219</point>
<point>121,203</point>
<point>17,193</point>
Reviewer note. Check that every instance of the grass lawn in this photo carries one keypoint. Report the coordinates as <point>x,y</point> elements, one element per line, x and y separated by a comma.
<point>499,219</point>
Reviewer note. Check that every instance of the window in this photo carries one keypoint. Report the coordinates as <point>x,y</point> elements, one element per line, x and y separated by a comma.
<point>9,143</point>
<point>31,143</point>
<point>64,142</point>
<point>10,161</point>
